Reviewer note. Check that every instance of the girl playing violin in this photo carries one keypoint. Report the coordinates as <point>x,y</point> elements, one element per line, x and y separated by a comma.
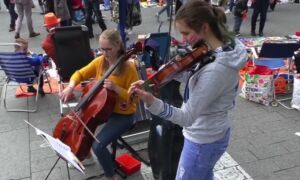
<point>209,94</point>
<point>119,81</point>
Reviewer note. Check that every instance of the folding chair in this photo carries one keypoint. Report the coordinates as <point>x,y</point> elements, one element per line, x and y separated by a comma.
<point>73,52</point>
<point>273,55</point>
<point>19,71</point>
<point>156,49</point>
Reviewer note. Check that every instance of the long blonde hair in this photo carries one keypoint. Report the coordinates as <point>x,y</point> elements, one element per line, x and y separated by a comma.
<point>114,37</point>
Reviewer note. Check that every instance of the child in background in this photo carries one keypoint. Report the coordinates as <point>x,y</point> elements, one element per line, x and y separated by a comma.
<point>35,60</point>
<point>240,13</point>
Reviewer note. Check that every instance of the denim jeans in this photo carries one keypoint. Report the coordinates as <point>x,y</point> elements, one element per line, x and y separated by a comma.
<point>198,160</point>
<point>13,15</point>
<point>237,24</point>
<point>116,125</point>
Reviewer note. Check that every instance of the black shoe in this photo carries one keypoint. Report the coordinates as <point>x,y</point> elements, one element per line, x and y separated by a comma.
<point>42,92</point>
<point>91,36</point>
<point>31,89</point>
<point>34,34</point>
<point>237,34</point>
<point>17,35</point>
<point>11,29</point>
<point>261,34</point>
<point>253,34</point>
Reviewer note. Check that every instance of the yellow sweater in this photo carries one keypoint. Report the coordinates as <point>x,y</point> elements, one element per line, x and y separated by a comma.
<point>128,76</point>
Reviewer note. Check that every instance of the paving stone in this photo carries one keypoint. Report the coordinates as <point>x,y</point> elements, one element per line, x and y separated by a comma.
<point>268,151</point>
<point>289,174</point>
<point>287,161</point>
<point>260,167</point>
<point>242,156</point>
<point>56,174</point>
<point>14,158</point>
<point>231,173</point>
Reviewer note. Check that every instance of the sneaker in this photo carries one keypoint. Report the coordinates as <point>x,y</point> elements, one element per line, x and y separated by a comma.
<point>253,34</point>
<point>237,34</point>
<point>42,92</point>
<point>17,35</point>
<point>31,89</point>
<point>91,35</point>
<point>129,31</point>
<point>227,11</point>
<point>34,34</point>
<point>11,29</point>
<point>261,34</point>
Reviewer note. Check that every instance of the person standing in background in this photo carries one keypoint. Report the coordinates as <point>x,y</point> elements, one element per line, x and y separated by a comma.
<point>240,12</point>
<point>61,10</point>
<point>41,4</point>
<point>25,6</point>
<point>93,6</point>
<point>259,7</point>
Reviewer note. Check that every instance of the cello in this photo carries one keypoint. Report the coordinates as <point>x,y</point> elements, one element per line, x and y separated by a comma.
<point>76,129</point>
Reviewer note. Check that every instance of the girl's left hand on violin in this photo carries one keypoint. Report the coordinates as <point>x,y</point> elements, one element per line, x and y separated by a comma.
<point>108,84</point>
<point>145,96</point>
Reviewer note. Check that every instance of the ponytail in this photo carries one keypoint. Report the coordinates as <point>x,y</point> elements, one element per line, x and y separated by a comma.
<point>196,13</point>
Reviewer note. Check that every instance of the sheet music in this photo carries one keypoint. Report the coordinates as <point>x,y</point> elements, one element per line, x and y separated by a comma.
<point>63,150</point>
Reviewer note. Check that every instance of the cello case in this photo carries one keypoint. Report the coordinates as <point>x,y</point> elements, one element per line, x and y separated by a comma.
<point>165,138</point>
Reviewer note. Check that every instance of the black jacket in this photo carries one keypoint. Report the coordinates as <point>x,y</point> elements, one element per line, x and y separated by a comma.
<point>240,6</point>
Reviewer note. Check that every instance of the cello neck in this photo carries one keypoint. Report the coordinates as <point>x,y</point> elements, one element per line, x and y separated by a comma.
<point>96,88</point>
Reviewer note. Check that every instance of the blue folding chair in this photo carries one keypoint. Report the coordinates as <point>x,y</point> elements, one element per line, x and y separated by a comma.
<point>273,55</point>
<point>158,43</point>
<point>19,72</point>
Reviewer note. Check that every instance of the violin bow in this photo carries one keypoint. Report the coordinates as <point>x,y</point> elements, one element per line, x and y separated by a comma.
<point>83,124</point>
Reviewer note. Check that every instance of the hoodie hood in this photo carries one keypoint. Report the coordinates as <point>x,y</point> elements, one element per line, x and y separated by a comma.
<point>238,56</point>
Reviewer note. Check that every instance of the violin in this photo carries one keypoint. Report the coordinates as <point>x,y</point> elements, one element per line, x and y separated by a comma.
<point>200,55</point>
<point>76,129</point>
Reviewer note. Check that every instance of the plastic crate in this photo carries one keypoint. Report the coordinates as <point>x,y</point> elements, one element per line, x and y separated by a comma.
<point>128,164</point>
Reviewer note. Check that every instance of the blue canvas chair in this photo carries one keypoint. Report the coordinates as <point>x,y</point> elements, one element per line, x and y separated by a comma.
<point>19,71</point>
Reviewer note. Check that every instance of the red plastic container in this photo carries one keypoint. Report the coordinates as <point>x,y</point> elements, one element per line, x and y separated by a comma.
<point>128,164</point>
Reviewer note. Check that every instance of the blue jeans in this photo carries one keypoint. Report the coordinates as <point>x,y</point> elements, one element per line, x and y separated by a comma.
<point>116,125</point>
<point>237,24</point>
<point>198,160</point>
<point>107,4</point>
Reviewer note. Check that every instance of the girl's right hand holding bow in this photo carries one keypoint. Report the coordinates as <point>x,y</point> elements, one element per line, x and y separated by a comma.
<point>135,89</point>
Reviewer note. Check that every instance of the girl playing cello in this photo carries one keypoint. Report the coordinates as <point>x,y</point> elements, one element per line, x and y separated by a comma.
<point>119,81</point>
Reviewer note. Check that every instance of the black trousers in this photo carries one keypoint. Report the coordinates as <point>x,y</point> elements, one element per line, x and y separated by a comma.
<point>90,8</point>
<point>261,9</point>
<point>13,15</point>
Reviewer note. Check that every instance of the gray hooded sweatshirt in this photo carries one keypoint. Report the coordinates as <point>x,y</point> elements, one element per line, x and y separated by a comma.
<point>212,93</point>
